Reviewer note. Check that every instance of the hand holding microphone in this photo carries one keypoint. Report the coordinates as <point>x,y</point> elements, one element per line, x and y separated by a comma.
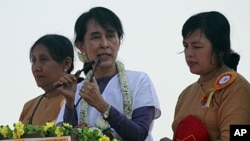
<point>67,78</point>
<point>91,78</point>
<point>77,74</point>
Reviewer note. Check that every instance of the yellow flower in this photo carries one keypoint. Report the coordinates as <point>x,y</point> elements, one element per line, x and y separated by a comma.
<point>67,125</point>
<point>15,135</point>
<point>18,130</point>
<point>48,125</point>
<point>18,125</point>
<point>58,131</point>
<point>4,131</point>
<point>104,138</point>
<point>51,130</point>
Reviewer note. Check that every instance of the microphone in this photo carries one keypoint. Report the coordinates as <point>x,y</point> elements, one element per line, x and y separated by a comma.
<point>77,74</point>
<point>99,61</point>
<point>86,67</point>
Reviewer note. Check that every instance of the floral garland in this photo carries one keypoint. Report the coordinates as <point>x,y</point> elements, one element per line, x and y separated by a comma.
<point>50,129</point>
<point>127,100</point>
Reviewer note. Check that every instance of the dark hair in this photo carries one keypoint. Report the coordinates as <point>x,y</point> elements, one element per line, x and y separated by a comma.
<point>59,48</point>
<point>216,28</point>
<point>105,17</point>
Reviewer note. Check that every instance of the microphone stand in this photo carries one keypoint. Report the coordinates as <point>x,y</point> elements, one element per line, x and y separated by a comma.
<point>77,74</point>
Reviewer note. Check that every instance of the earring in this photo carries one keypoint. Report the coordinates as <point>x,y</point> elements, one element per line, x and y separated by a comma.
<point>83,57</point>
<point>65,70</point>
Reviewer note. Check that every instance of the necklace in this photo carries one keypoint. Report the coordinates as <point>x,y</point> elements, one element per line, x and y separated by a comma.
<point>127,100</point>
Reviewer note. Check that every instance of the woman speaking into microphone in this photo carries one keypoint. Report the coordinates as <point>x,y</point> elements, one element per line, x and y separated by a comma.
<point>125,100</point>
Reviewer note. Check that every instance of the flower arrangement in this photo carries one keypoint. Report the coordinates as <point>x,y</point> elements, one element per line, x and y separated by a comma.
<point>50,129</point>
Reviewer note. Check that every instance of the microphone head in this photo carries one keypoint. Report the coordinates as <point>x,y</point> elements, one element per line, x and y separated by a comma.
<point>88,66</point>
<point>96,65</point>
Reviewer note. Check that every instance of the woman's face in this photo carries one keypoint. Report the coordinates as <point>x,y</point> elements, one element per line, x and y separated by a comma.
<point>198,53</point>
<point>100,43</point>
<point>44,68</point>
